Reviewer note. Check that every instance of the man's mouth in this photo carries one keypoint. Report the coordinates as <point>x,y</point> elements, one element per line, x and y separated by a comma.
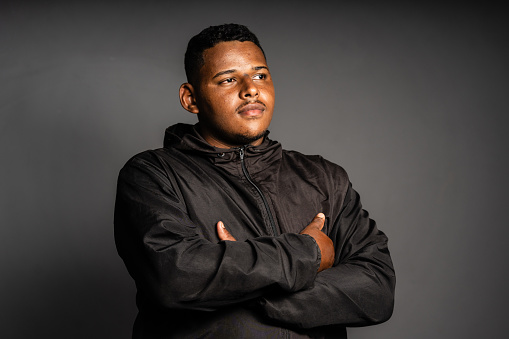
<point>252,109</point>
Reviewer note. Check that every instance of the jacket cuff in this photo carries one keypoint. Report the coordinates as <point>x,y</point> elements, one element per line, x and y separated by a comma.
<point>304,259</point>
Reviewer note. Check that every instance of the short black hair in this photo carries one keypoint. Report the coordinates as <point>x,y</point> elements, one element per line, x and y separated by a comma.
<point>210,37</point>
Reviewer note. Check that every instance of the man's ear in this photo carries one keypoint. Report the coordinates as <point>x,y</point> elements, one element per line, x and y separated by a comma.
<point>187,98</point>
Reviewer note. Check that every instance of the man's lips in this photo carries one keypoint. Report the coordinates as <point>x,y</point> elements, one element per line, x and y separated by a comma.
<point>252,109</point>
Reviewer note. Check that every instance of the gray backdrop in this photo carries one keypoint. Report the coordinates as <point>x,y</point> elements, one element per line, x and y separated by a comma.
<point>410,98</point>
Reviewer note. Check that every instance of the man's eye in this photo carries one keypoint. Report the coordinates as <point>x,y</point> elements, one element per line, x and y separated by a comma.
<point>228,80</point>
<point>260,76</point>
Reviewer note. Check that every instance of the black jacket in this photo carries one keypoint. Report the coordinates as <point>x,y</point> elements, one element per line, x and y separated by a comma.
<point>265,284</point>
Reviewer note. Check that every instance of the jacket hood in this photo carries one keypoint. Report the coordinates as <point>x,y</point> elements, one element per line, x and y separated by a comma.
<point>186,138</point>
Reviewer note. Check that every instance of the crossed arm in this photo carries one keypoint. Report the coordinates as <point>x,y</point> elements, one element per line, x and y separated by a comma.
<point>174,267</point>
<point>358,290</point>
<point>314,230</point>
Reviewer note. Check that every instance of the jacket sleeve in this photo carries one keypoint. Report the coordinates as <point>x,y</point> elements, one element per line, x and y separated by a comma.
<point>358,290</point>
<point>176,268</point>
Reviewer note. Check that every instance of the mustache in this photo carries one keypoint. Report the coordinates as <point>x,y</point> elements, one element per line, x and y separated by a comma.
<point>250,103</point>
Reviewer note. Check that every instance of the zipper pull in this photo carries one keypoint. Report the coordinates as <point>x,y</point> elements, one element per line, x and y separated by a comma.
<point>241,153</point>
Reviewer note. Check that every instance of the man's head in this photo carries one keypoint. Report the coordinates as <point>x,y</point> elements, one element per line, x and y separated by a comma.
<point>230,87</point>
<point>208,38</point>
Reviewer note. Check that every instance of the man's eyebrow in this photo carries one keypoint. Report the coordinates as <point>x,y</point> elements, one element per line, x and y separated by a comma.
<point>229,71</point>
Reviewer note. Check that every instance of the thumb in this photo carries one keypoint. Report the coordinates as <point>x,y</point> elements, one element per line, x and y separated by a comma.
<point>223,233</point>
<point>318,221</point>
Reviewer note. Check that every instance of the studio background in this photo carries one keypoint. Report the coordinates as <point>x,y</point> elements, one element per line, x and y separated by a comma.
<point>410,98</point>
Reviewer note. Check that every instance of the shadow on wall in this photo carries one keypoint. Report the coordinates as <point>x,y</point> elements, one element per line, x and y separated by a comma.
<point>64,278</point>
<point>70,300</point>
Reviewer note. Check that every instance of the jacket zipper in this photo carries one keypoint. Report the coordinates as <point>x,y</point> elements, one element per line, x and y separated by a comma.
<point>265,203</point>
<point>248,177</point>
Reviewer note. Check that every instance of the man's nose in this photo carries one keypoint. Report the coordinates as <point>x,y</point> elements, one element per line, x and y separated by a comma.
<point>249,88</point>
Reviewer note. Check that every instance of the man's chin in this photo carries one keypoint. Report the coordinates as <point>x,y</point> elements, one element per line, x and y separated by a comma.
<point>248,139</point>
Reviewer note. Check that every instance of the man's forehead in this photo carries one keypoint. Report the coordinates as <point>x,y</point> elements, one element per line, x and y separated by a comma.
<point>234,51</point>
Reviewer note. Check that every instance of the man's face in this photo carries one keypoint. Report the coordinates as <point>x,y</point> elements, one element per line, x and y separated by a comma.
<point>235,95</point>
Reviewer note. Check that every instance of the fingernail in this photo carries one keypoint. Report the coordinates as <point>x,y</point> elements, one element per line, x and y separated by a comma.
<point>221,224</point>
<point>321,215</point>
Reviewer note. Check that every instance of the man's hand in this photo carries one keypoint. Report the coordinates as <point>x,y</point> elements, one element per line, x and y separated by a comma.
<point>223,233</point>
<point>314,229</point>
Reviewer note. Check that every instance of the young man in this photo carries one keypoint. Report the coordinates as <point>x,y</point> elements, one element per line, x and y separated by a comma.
<point>227,235</point>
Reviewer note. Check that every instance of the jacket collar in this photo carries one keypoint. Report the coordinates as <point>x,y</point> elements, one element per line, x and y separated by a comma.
<point>186,138</point>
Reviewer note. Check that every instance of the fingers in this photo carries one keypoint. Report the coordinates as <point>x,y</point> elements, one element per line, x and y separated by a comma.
<point>223,233</point>
<point>325,244</point>
<point>316,224</point>
<point>319,220</point>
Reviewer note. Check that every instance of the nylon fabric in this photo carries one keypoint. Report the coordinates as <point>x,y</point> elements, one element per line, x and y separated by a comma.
<point>191,285</point>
